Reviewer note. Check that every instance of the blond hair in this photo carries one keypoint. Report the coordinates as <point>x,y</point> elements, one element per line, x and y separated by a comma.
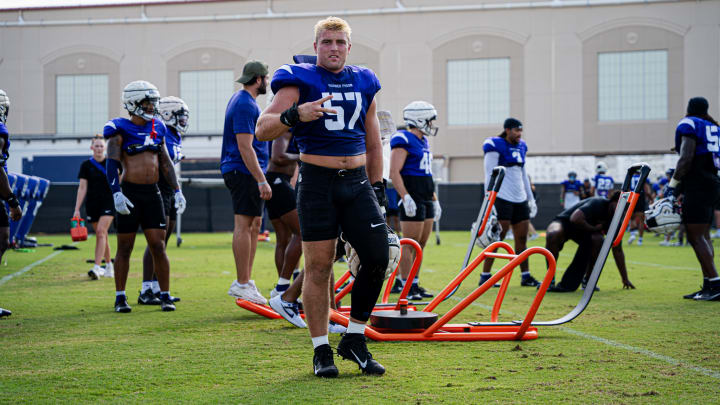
<point>332,24</point>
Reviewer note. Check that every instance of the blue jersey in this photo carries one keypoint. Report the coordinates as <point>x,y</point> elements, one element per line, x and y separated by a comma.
<point>571,185</point>
<point>5,153</point>
<point>419,159</point>
<point>707,146</point>
<point>137,138</point>
<point>241,116</point>
<point>353,90</point>
<point>173,141</point>
<point>509,154</point>
<point>634,181</point>
<point>603,184</point>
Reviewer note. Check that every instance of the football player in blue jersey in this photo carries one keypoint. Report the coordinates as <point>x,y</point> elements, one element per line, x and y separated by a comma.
<point>637,222</point>
<point>243,163</point>
<point>175,114</point>
<point>137,147</point>
<point>570,191</point>
<point>515,203</point>
<point>5,190</point>
<point>331,109</point>
<point>697,140</point>
<point>411,175</point>
<point>99,205</point>
<point>602,183</point>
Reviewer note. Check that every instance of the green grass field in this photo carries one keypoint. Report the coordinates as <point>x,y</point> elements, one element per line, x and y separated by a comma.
<point>64,343</point>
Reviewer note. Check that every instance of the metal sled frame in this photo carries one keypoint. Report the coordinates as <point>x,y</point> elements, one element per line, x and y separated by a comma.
<point>268,312</point>
<point>441,330</point>
<point>621,219</point>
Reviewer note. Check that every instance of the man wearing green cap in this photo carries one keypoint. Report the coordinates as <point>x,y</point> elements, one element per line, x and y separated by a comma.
<point>243,163</point>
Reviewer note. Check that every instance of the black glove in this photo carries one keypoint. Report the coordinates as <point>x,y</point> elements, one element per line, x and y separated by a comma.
<point>379,189</point>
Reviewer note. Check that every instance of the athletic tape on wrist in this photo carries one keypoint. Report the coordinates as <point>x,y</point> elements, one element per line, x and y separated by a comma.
<point>290,117</point>
<point>673,182</point>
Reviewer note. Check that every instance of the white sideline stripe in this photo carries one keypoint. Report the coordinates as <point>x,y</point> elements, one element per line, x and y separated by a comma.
<point>28,267</point>
<point>667,359</point>
<point>665,266</point>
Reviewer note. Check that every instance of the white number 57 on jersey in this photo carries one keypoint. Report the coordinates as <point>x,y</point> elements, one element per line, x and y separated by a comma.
<point>338,122</point>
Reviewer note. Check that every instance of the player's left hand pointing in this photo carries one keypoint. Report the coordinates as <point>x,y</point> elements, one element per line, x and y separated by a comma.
<point>313,110</point>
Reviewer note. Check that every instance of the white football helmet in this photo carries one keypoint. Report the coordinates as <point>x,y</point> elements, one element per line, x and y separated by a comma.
<point>420,114</point>
<point>663,216</point>
<point>393,250</point>
<point>491,233</point>
<point>174,113</point>
<point>135,93</point>
<point>4,106</point>
<point>601,168</point>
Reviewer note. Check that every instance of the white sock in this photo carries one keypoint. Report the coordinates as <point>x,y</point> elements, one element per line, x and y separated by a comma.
<point>243,285</point>
<point>320,340</point>
<point>283,281</point>
<point>119,293</point>
<point>714,279</point>
<point>109,266</point>
<point>164,292</point>
<point>402,281</point>
<point>354,327</point>
<point>525,273</point>
<point>97,267</point>
<point>416,281</point>
<point>155,286</point>
<point>146,285</point>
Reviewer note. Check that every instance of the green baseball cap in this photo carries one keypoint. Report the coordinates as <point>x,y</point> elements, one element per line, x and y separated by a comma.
<point>251,69</point>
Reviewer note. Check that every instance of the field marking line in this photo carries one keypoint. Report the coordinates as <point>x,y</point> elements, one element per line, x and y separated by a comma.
<point>665,266</point>
<point>667,359</point>
<point>28,267</point>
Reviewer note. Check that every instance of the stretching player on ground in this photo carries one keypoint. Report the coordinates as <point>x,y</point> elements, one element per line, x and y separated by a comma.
<point>99,205</point>
<point>5,191</point>
<point>174,113</point>
<point>411,175</point>
<point>584,223</point>
<point>137,147</point>
<point>515,203</point>
<point>331,108</point>
<point>696,140</point>
<point>243,163</point>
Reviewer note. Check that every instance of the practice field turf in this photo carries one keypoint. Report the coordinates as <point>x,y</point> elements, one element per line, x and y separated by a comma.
<point>64,343</point>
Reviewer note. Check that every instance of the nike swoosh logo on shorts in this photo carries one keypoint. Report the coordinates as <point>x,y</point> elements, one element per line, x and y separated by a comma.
<point>375,225</point>
<point>363,182</point>
<point>363,364</point>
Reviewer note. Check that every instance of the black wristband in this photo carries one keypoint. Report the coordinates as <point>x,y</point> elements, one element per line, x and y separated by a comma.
<point>12,201</point>
<point>290,117</point>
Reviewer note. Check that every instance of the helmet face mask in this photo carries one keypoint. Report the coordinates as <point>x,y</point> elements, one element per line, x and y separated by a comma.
<point>420,115</point>
<point>141,98</point>
<point>572,176</point>
<point>174,113</point>
<point>663,216</point>
<point>4,106</point>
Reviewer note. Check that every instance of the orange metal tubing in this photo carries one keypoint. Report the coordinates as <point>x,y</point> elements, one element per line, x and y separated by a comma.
<point>413,270</point>
<point>540,292</point>
<point>632,200</point>
<point>466,271</point>
<point>491,202</point>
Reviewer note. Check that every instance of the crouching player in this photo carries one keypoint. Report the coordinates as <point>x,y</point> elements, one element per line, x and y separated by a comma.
<point>5,191</point>
<point>584,223</point>
<point>331,108</point>
<point>137,146</point>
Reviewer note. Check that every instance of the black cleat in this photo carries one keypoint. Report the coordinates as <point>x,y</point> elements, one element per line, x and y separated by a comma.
<point>483,280</point>
<point>121,305</point>
<point>397,287</point>
<point>148,298</point>
<point>529,281</point>
<point>584,284</point>
<point>414,293</point>
<point>174,299</point>
<point>166,303</point>
<point>5,312</point>
<point>352,347</point>
<point>711,294</point>
<point>323,364</point>
<point>424,293</point>
<point>558,289</point>
<point>693,295</point>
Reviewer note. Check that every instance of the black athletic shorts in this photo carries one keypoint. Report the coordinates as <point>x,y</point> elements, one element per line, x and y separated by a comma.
<point>4,218</point>
<point>147,212</point>
<point>283,195</point>
<point>96,209</point>
<point>514,212</point>
<point>245,194</point>
<point>701,196</point>
<point>642,204</point>
<point>425,210</point>
<point>328,199</point>
<point>421,190</point>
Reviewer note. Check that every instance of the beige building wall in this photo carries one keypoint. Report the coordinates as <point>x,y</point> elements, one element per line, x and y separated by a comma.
<point>552,49</point>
